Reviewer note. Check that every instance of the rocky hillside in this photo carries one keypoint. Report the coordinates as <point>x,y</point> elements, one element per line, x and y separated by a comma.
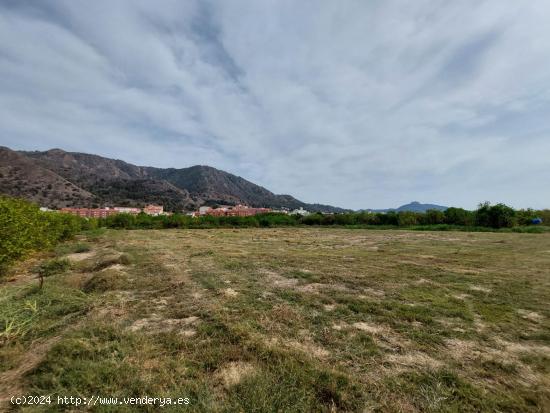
<point>24,178</point>
<point>56,178</point>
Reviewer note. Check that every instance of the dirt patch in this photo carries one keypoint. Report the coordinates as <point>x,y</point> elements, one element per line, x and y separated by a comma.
<point>415,359</point>
<point>279,281</point>
<point>308,347</point>
<point>230,292</point>
<point>479,324</point>
<point>480,288</point>
<point>531,316</point>
<point>156,324</point>
<point>116,267</point>
<point>314,288</point>
<point>502,352</point>
<point>234,372</point>
<point>80,256</point>
<point>513,348</point>
<point>449,322</point>
<point>422,281</point>
<point>310,288</point>
<point>373,292</point>
<point>462,350</point>
<point>462,296</point>
<point>383,336</point>
<point>162,302</point>
<point>329,307</point>
<point>109,313</point>
<point>370,328</point>
<point>77,280</point>
<point>340,326</point>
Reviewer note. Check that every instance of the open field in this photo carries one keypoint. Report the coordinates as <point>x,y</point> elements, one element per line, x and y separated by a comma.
<point>303,319</point>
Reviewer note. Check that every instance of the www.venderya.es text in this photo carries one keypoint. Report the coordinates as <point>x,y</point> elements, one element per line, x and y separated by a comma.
<point>100,400</point>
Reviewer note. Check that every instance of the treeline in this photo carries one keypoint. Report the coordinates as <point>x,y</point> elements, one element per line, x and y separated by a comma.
<point>486,216</point>
<point>24,228</point>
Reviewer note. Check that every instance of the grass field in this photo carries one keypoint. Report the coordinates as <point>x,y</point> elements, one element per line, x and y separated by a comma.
<point>303,319</point>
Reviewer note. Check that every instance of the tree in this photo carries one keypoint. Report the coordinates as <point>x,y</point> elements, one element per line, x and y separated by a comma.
<point>407,218</point>
<point>458,216</point>
<point>496,216</point>
<point>433,217</point>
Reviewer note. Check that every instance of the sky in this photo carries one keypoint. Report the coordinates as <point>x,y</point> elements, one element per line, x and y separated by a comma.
<point>358,104</point>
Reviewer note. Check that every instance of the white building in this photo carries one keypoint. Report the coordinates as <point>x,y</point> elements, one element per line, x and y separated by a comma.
<point>301,211</point>
<point>204,209</point>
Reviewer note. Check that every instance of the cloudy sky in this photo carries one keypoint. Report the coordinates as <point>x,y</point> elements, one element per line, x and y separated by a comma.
<point>368,103</point>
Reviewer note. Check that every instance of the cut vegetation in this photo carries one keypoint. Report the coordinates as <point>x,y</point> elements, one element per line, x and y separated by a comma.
<point>302,319</point>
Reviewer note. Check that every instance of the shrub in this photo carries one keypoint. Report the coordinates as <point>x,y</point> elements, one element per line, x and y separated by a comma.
<point>432,217</point>
<point>80,248</point>
<point>496,216</point>
<point>459,216</point>
<point>25,228</point>
<point>526,216</point>
<point>52,267</point>
<point>407,218</point>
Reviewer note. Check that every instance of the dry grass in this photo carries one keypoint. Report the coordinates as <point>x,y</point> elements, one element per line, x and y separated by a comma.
<point>318,319</point>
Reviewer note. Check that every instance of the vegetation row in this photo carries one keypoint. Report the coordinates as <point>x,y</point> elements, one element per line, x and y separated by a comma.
<point>25,228</point>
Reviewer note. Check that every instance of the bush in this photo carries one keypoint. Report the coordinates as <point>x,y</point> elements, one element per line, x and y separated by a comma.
<point>52,267</point>
<point>25,228</point>
<point>80,248</point>
<point>459,216</point>
<point>407,218</point>
<point>496,216</point>
<point>432,217</point>
<point>125,221</point>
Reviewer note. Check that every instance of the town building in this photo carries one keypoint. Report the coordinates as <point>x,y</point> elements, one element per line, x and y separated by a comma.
<point>90,212</point>
<point>127,210</point>
<point>154,210</point>
<point>300,211</point>
<point>204,209</point>
<point>232,211</point>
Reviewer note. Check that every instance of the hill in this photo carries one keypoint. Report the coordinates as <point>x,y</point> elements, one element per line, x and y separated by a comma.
<point>24,178</point>
<point>56,178</point>
<point>414,206</point>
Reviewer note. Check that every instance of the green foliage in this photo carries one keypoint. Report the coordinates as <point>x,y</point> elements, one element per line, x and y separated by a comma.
<point>52,267</point>
<point>29,313</point>
<point>526,216</point>
<point>80,248</point>
<point>487,217</point>
<point>496,216</point>
<point>459,216</point>
<point>24,228</point>
<point>407,218</point>
<point>433,217</point>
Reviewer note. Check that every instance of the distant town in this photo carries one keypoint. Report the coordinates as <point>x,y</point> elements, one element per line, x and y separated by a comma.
<point>157,210</point>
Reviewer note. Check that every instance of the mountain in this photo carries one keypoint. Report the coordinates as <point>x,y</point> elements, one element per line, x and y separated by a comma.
<point>56,178</point>
<point>22,177</point>
<point>412,207</point>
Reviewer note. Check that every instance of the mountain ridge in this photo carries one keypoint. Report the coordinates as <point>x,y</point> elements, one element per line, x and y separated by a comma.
<point>94,180</point>
<point>413,206</point>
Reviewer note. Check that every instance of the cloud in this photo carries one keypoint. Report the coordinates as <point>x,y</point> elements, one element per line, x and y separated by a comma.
<point>361,104</point>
